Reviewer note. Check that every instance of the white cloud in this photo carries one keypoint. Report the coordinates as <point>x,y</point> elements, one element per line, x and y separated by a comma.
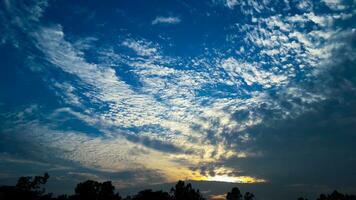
<point>25,13</point>
<point>305,5</point>
<point>166,20</point>
<point>251,74</point>
<point>141,47</point>
<point>177,110</point>
<point>285,39</point>
<point>69,95</point>
<point>247,7</point>
<point>18,15</point>
<point>324,20</point>
<point>335,4</point>
<point>297,18</point>
<point>104,85</point>
<point>231,3</point>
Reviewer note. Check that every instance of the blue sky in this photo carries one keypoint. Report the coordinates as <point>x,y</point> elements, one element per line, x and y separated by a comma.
<point>255,93</point>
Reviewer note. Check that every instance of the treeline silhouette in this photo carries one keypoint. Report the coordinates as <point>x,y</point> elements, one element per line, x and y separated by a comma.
<point>31,188</point>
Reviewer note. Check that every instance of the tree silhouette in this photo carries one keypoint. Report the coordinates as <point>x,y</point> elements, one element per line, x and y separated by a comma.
<point>27,187</point>
<point>336,196</point>
<point>87,190</point>
<point>249,196</point>
<point>185,192</point>
<point>93,190</point>
<point>235,194</point>
<point>107,192</point>
<point>31,188</point>
<point>63,197</point>
<point>149,194</point>
<point>28,183</point>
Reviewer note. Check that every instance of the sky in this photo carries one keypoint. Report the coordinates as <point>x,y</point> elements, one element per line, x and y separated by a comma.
<point>255,93</point>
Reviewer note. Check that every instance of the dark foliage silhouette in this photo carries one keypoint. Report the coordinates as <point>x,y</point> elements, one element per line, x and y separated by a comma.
<point>333,196</point>
<point>336,196</point>
<point>31,188</point>
<point>26,188</point>
<point>87,190</point>
<point>249,196</point>
<point>185,192</point>
<point>28,183</point>
<point>149,194</point>
<point>93,190</point>
<point>235,194</point>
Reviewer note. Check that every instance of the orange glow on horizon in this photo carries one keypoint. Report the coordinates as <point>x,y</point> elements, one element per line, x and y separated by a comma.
<point>218,197</point>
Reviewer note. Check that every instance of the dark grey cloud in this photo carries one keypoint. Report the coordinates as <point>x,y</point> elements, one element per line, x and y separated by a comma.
<point>64,175</point>
<point>155,144</point>
<point>318,147</point>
